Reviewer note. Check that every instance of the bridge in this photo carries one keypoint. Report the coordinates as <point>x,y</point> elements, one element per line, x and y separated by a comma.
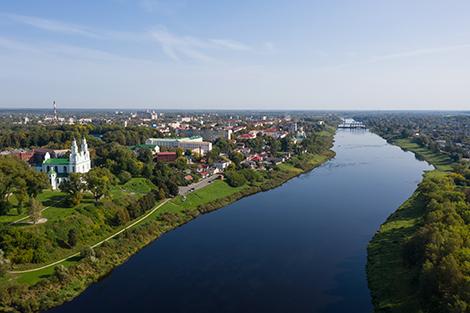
<point>352,124</point>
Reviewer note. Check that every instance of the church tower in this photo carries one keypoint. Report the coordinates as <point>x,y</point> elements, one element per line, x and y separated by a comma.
<point>84,149</point>
<point>74,157</point>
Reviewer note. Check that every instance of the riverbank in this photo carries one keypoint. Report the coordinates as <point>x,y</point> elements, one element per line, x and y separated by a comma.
<point>392,282</point>
<point>43,290</point>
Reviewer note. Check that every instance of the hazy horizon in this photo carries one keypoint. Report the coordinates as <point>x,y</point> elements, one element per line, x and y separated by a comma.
<point>263,55</point>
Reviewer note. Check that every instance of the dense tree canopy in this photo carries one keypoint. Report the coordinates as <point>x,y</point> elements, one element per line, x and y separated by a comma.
<point>19,179</point>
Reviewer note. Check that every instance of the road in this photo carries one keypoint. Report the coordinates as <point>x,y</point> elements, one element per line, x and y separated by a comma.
<point>184,190</point>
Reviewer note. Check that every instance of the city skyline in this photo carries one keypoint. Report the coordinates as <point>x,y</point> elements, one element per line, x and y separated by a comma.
<point>268,55</point>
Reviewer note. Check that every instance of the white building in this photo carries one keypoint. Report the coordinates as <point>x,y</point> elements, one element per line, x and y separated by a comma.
<point>189,143</point>
<point>58,169</point>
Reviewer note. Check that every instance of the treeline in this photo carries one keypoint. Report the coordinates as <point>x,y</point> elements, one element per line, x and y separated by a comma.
<point>440,249</point>
<point>424,129</point>
<point>59,136</point>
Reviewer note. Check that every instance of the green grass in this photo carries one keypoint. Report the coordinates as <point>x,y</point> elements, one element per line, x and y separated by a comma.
<point>391,282</point>
<point>32,278</point>
<point>57,207</point>
<point>440,160</point>
<point>217,190</point>
<point>138,185</point>
<point>289,168</point>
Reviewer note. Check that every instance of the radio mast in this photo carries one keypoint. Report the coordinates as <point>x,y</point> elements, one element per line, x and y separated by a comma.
<point>55,111</point>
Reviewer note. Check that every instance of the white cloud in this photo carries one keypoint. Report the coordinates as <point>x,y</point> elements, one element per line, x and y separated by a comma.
<point>230,44</point>
<point>179,47</point>
<point>50,25</point>
<point>66,51</point>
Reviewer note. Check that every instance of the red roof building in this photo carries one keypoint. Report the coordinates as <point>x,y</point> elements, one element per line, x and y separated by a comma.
<point>166,156</point>
<point>247,136</point>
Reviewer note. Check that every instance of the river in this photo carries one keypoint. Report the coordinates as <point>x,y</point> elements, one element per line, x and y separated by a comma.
<point>297,248</point>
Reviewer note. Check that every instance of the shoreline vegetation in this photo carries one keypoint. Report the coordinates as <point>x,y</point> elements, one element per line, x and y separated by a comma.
<point>40,290</point>
<point>401,277</point>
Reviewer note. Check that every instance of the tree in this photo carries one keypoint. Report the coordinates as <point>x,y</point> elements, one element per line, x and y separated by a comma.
<point>144,155</point>
<point>89,253</point>
<point>213,154</point>
<point>179,152</point>
<point>124,177</point>
<point>4,264</point>
<point>18,178</point>
<point>235,179</point>
<point>181,163</point>
<point>74,187</point>
<point>61,272</point>
<point>72,237</point>
<point>236,158</point>
<point>35,209</point>
<point>99,181</point>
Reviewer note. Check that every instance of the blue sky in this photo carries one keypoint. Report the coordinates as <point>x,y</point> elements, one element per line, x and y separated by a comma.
<point>235,54</point>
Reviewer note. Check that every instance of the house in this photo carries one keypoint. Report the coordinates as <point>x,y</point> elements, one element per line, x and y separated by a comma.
<point>255,158</point>
<point>222,165</point>
<point>248,136</point>
<point>20,154</point>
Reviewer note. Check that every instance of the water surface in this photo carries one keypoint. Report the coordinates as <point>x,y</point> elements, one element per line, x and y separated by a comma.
<point>297,248</point>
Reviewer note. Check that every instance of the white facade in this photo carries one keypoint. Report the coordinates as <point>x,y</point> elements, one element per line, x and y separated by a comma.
<point>191,143</point>
<point>58,169</point>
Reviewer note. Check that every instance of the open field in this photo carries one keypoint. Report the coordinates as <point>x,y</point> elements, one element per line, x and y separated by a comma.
<point>440,160</point>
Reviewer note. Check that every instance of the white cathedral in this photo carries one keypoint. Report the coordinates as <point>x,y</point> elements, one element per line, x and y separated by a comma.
<point>58,169</point>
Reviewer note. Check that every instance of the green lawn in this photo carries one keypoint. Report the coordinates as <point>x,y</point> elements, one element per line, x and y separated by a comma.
<point>389,279</point>
<point>56,206</point>
<point>33,277</point>
<point>440,160</point>
<point>289,168</point>
<point>217,190</point>
<point>391,282</point>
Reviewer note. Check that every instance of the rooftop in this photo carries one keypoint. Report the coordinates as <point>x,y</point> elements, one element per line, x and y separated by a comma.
<point>58,161</point>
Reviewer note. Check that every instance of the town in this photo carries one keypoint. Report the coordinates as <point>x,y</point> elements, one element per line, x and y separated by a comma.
<point>199,144</point>
<point>82,189</point>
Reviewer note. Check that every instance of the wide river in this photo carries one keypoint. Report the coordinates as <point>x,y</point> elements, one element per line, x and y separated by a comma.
<point>297,248</point>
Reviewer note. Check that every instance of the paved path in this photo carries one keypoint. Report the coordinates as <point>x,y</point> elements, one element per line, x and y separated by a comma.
<point>184,190</point>
<point>96,244</point>
<point>27,216</point>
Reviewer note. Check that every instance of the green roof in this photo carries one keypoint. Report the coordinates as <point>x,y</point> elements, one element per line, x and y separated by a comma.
<point>54,161</point>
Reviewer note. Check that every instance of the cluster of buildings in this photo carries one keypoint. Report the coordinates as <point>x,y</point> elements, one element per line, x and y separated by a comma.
<point>194,144</point>
<point>196,133</point>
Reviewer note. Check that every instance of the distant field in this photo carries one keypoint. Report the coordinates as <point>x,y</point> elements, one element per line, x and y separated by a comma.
<point>440,160</point>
